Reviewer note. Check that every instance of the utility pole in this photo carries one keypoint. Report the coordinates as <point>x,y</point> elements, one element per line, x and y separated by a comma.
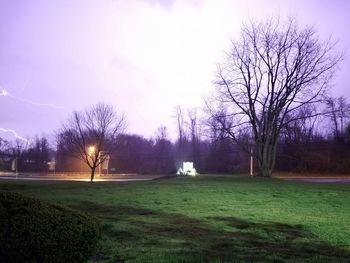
<point>16,162</point>
<point>251,163</point>
<point>99,160</point>
<point>17,155</point>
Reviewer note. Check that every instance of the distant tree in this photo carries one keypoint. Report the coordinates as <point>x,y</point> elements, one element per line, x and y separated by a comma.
<point>36,156</point>
<point>161,133</point>
<point>5,154</point>
<point>92,131</point>
<point>4,146</point>
<point>297,137</point>
<point>300,127</point>
<point>17,150</point>
<point>332,114</point>
<point>133,154</point>
<point>270,72</point>
<point>338,111</point>
<point>180,123</point>
<point>347,134</point>
<point>182,151</point>
<point>195,136</point>
<point>163,153</point>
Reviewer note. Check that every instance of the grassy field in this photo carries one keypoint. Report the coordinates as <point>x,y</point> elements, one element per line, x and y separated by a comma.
<point>210,218</point>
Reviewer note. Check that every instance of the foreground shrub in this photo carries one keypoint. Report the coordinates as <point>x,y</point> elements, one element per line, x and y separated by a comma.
<point>35,231</point>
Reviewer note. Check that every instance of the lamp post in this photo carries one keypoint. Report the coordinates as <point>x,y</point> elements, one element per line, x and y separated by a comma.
<point>99,165</point>
<point>251,163</point>
<point>17,155</point>
<point>16,162</point>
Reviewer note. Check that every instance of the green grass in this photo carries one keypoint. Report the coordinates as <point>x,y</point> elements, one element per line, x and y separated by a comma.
<point>210,219</point>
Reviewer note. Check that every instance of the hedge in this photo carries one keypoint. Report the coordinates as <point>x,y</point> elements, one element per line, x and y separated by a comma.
<point>36,231</point>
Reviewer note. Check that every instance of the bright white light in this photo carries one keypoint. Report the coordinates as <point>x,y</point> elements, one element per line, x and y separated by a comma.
<point>188,166</point>
<point>91,150</point>
<point>187,169</point>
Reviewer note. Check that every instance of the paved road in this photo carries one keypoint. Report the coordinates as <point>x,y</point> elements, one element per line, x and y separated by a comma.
<point>318,180</point>
<point>77,177</point>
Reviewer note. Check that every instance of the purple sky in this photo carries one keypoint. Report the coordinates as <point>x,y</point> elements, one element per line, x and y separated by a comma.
<point>143,56</point>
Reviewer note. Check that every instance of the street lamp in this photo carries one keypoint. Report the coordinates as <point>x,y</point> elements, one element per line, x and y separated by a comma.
<point>91,150</point>
<point>99,165</point>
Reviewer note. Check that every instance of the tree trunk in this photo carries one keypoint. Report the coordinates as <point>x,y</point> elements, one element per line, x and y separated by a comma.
<point>265,171</point>
<point>266,155</point>
<point>92,174</point>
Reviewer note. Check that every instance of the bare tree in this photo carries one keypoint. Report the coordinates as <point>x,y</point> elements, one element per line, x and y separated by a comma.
<point>338,110</point>
<point>4,146</point>
<point>182,140</point>
<point>195,133</point>
<point>163,154</point>
<point>181,124</point>
<point>88,134</point>
<point>344,112</point>
<point>194,125</point>
<point>161,133</point>
<point>301,128</point>
<point>332,114</point>
<point>5,153</point>
<point>272,70</point>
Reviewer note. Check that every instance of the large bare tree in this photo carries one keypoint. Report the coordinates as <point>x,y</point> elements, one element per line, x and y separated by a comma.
<point>271,71</point>
<point>90,134</point>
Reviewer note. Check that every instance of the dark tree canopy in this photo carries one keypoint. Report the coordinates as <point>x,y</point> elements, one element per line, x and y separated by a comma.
<point>271,71</point>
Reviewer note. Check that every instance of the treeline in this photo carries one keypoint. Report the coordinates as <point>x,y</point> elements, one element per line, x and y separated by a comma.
<point>136,154</point>
<point>315,153</point>
<point>23,155</point>
<point>317,144</point>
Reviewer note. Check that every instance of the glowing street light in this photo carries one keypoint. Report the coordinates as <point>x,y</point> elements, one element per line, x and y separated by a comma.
<point>91,150</point>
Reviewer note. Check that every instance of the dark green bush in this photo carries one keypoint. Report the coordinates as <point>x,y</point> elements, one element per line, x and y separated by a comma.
<point>35,231</point>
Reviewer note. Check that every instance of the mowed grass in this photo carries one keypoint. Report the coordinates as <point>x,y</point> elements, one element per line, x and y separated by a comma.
<point>210,218</point>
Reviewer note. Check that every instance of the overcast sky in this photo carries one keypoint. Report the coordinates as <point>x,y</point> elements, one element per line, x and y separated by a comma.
<point>143,56</point>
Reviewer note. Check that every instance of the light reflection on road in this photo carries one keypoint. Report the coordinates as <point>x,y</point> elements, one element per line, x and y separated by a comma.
<point>75,179</point>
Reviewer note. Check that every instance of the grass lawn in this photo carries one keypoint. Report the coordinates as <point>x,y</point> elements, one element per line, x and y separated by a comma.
<point>210,218</point>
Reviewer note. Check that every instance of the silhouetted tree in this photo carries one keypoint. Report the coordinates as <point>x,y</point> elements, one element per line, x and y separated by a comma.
<point>338,110</point>
<point>17,150</point>
<point>133,154</point>
<point>270,72</point>
<point>182,152</point>
<point>36,156</point>
<point>91,131</point>
<point>163,153</point>
<point>5,154</point>
<point>195,132</point>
